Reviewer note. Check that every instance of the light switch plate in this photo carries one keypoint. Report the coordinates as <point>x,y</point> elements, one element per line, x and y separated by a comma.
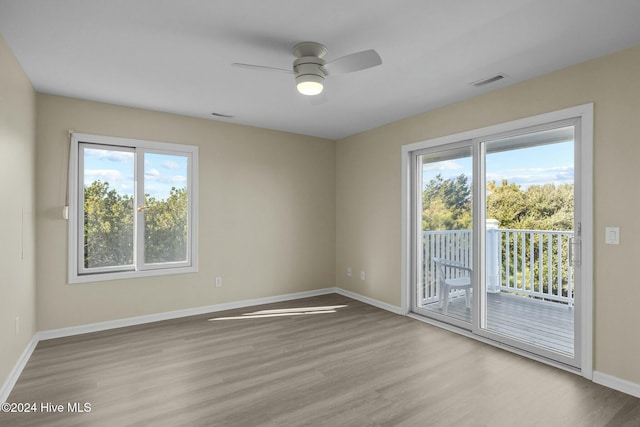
<point>612,235</point>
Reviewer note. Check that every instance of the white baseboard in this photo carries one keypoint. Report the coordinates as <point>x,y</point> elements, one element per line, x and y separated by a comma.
<point>17,370</point>
<point>139,320</point>
<point>374,302</point>
<point>616,383</point>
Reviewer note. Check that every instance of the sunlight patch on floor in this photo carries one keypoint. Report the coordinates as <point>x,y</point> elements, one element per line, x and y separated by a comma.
<point>284,312</point>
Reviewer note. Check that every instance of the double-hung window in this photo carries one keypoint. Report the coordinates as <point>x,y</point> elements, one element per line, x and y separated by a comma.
<point>132,208</point>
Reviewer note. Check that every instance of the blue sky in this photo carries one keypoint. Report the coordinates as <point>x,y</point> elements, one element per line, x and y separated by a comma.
<point>552,163</point>
<point>161,171</point>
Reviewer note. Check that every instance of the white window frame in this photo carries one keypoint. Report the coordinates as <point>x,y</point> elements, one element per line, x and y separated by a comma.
<point>76,274</point>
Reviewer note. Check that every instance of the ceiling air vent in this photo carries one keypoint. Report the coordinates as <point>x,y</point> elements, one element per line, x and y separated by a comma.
<point>487,80</point>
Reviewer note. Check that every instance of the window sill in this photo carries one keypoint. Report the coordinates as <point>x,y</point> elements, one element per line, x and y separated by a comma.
<point>121,275</point>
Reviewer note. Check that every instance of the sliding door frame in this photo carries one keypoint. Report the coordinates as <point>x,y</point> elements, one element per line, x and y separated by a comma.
<point>584,173</point>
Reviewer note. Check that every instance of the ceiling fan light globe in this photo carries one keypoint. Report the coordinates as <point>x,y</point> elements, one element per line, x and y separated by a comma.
<point>310,88</point>
<point>310,84</point>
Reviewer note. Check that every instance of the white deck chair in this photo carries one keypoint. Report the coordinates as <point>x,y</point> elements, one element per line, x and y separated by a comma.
<point>459,280</point>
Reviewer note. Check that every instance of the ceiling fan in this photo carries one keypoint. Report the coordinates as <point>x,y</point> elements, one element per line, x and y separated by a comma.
<point>310,67</point>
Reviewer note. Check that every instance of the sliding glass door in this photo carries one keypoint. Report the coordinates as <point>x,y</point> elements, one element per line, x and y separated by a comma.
<point>496,233</point>
<point>529,240</point>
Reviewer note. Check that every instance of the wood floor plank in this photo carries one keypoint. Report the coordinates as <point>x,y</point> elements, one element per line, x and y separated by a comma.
<point>300,364</point>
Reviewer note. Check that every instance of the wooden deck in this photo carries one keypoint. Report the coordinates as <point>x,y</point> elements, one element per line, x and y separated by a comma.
<point>546,324</point>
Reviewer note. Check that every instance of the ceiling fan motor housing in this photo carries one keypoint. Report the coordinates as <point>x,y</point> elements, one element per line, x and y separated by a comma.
<point>309,63</point>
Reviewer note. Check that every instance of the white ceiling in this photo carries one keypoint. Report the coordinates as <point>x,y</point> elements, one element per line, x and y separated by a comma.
<point>176,56</point>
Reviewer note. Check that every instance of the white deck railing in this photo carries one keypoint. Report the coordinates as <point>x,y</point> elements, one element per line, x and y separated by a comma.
<point>533,263</point>
<point>453,245</point>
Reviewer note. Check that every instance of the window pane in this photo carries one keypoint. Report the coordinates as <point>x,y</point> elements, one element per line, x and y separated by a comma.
<point>108,180</point>
<point>166,213</point>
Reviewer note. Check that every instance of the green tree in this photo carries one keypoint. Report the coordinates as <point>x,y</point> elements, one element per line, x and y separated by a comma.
<point>539,207</point>
<point>446,204</point>
<point>549,207</point>
<point>166,227</point>
<point>108,226</point>
<point>506,203</point>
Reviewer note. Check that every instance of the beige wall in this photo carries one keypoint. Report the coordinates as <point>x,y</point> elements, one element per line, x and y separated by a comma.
<point>369,177</point>
<point>17,191</point>
<point>266,214</point>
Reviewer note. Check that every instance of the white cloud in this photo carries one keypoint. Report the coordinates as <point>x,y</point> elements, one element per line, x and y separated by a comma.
<point>159,186</point>
<point>110,155</point>
<point>178,179</point>
<point>446,165</point>
<point>152,172</point>
<point>102,175</point>
<point>534,176</point>
<point>154,175</point>
<point>170,164</point>
<point>115,178</point>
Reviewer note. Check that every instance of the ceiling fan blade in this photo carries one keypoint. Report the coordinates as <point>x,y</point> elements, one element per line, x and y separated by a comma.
<point>354,62</point>
<point>261,68</point>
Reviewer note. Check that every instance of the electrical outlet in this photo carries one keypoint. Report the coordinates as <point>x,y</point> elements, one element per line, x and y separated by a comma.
<point>349,272</point>
<point>219,282</point>
<point>362,276</point>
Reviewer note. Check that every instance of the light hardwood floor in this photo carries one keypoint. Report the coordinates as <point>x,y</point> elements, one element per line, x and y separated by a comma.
<point>303,363</point>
